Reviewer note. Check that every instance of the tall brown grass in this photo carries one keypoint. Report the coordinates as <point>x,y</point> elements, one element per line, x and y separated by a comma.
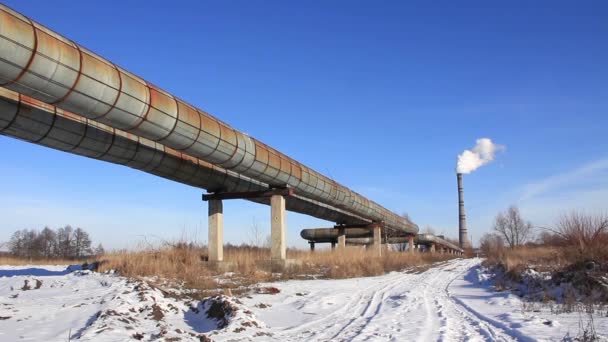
<point>185,264</point>
<point>542,258</point>
<point>575,239</point>
<point>14,261</point>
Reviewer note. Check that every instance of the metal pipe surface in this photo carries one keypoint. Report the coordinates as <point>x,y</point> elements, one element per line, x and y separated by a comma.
<point>332,233</point>
<point>38,62</point>
<point>365,236</point>
<point>25,118</point>
<point>425,239</point>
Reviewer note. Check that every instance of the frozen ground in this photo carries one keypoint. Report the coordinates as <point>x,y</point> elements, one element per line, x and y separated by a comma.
<point>448,302</point>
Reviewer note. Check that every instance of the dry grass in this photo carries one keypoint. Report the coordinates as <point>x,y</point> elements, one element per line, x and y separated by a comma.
<point>13,261</point>
<point>584,237</point>
<point>186,265</point>
<point>179,264</point>
<point>543,258</point>
<point>358,262</point>
<point>575,240</point>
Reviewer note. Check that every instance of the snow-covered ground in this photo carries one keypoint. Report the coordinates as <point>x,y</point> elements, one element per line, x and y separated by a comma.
<point>448,302</point>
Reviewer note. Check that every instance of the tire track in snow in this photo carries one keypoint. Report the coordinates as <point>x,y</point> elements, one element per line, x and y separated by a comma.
<point>368,306</point>
<point>486,328</point>
<point>402,307</point>
<point>311,329</point>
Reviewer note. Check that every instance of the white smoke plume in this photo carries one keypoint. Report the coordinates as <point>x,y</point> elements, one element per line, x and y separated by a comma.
<point>483,153</point>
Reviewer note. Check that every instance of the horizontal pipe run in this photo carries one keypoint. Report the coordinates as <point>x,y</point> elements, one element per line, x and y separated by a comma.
<point>332,233</point>
<point>248,195</point>
<point>426,239</point>
<point>370,240</point>
<point>364,236</point>
<point>27,119</point>
<point>40,63</point>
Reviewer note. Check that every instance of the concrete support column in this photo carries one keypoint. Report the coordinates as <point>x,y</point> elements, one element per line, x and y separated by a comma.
<point>377,245</point>
<point>411,244</point>
<point>432,248</point>
<point>278,248</point>
<point>341,239</point>
<point>216,230</point>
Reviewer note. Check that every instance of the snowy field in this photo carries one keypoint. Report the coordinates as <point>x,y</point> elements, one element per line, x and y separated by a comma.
<point>448,302</point>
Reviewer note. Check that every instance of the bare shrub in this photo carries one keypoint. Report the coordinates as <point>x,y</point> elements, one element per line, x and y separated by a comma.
<point>586,235</point>
<point>543,258</point>
<point>492,246</point>
<point>512,227</point>
<point>549,238</point>
<point>183,263</point>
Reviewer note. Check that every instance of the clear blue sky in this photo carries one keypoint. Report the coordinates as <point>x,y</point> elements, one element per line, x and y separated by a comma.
<point>381,96</point>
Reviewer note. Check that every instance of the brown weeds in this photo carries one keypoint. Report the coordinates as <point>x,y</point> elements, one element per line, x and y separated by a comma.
<point>14,261</point>
<point>186,264</point>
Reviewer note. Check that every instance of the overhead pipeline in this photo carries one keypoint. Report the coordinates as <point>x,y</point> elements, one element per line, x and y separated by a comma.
<point>40,63</point>
<point>25,118</point>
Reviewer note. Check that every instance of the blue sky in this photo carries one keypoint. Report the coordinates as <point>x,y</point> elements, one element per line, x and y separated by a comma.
<point>381,98</point>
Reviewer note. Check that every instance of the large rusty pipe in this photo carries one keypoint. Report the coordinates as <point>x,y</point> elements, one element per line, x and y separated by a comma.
<point>332,233</point>
<point>25,118</point>
<point>38,62</point>
<point>370,240</point>
<point>362,236</point>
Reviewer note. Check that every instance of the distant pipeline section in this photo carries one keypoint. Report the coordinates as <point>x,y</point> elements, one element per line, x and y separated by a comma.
<point>363,236</point>
<point>28,119</point>
<point>40,63</point>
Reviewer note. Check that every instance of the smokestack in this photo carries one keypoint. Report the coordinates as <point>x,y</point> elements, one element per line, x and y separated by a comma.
<point>462,219</point>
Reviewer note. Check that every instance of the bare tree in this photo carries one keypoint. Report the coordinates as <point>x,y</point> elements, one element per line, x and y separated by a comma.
<point>16,244</point>
<point>46,243</point>
<point>491,244</point>
<point>99,250</point>
<point>65,241</point>
<point>512,227</point>
<point>82,243</point>
<point>255,234</point>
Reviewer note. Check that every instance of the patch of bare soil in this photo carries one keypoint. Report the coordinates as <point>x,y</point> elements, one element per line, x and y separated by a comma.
<point>220,310</point>
<point>157,313</point>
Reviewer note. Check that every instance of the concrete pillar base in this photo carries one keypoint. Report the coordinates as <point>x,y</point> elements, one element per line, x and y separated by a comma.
<point>411,244</point>
<point>278,265</point>
<point>216,231</point>
<point>377,244</point>
<point>220,266</point>
<point>278,248</point>
<point>341,239</point>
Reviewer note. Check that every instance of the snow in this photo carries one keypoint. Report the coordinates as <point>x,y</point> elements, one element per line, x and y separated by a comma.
<point>451,301</point>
